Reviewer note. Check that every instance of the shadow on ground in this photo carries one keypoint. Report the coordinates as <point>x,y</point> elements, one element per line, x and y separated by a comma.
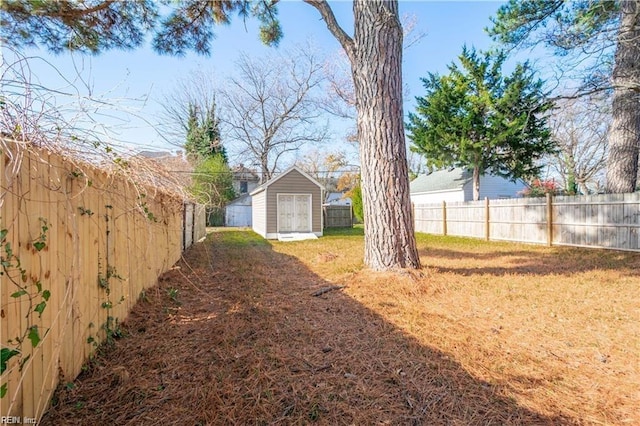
<point>235,336</point>
<point>563,261</point>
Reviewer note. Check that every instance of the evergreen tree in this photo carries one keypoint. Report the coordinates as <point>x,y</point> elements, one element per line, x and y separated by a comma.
<point>203,135</point>
<point>476,118</point>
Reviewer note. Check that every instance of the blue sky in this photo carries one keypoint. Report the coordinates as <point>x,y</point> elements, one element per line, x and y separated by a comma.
<point>136,80</point>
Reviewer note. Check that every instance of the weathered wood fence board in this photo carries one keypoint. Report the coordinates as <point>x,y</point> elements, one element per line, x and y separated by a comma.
<point>601,221</point>
<point>105,241</point>
<point>337,216</point>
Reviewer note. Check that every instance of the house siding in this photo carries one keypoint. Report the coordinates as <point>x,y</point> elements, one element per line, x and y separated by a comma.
<point>258,216</point>
<point>438,197</point>
<point>293,183</point>
<point>494,187</point>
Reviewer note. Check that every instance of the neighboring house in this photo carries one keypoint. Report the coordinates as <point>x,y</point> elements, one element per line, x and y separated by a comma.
<point>244,180</point>
<point>166,169</point>
<point>158,155</point>
<point>457,185</point>
<point>238,211</point>
<point>290,203</point>
<point>337,199</point>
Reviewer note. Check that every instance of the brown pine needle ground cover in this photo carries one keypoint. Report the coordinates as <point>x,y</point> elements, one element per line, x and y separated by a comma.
<point>486,334</point>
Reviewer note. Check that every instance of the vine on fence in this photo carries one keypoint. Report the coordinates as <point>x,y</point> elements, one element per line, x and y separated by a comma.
<point>24,284</point>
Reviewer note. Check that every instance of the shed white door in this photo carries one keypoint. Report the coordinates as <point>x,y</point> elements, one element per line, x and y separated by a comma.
<point>294,213</point>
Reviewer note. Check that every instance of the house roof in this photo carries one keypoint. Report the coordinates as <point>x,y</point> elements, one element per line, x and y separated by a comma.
<point>337,198</point>
<point>155,154</point>
<point>441,180</point>
<point>240,172</point>
<point>243,200</point>
<point>286,172</point>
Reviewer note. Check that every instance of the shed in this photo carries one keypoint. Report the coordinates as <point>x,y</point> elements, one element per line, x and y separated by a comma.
<point>457,185</point>
<point>288,204</point>
<point>238,211</point>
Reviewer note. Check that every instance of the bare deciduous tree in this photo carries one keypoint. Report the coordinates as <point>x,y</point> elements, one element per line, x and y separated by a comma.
<point>325,167</point>
<point>580,127</point>
<point>270,108</point>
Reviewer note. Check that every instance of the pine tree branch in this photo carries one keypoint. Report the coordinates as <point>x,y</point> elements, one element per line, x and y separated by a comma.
<point>332,24</point>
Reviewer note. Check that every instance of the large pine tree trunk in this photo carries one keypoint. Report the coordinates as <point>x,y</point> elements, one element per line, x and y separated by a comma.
<point>624,134</point>
<point>377,72</point>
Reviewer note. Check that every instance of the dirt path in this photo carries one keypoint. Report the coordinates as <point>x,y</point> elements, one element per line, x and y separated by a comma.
<point>234,336</point>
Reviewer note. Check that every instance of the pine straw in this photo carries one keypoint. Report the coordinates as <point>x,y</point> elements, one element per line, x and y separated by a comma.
<point>485,334</point>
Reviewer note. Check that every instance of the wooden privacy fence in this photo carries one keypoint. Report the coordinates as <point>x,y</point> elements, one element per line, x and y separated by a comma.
<point>602,221</point>
<point>337,216</point>
<point>79,246</point>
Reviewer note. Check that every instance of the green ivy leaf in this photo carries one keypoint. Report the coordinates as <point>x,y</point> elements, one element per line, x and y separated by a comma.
<point>5,355</point>
<point>39,286</point>
<point>19,293</point>
<point>3,234</point>
<point>46,295</point>
<point>34,336</point>
<point>40,308</point>
<point>3,390</point>
<point>39,245</point>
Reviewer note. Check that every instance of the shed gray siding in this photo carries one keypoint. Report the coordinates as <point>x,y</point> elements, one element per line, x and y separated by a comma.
<point>292,183</point>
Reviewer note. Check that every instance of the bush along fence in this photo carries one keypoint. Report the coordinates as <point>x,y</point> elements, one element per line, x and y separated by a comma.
<point>600,221</point>
<point>78,247</point>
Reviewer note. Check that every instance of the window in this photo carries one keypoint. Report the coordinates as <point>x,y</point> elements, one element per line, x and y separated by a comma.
<point>243,186</point>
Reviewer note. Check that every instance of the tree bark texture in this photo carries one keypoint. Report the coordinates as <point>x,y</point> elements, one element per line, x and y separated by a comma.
<point>377,72</point>
<point>624,134</point>
<point>375,54</point>
<point>476,183</point>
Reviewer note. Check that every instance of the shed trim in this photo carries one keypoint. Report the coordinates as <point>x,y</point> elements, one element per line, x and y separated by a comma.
<point>286,172</point>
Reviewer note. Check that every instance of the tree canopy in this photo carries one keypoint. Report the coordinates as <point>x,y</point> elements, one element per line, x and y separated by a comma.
<point>203,134</point>
<point>477,118</point>
<point>270,107</point>
<point>94,26</point>
<point>579,127</point>
<point>603,36</point>
<point>213,182</point>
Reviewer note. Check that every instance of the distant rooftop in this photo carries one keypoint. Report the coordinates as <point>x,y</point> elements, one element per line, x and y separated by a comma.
<point>441,180</point>
<point>155,154</point>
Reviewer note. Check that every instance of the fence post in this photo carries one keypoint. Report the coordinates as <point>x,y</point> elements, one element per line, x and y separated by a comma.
<point>486,218</point>
<point>444,217</point>
<point>549,220</point>
<point>184,226</point>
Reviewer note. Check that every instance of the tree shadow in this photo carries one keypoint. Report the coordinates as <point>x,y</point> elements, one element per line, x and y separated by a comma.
<point>556,261</point>
<point>244,341</point>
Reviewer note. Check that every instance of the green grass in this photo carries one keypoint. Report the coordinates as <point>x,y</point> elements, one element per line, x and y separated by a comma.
<point>237,238</point>
<point>356,231</point>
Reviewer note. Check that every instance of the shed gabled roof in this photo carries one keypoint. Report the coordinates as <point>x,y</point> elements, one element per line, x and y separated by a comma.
<point>281,175</point>
<point>441,180</point>
<point>241,200</point>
